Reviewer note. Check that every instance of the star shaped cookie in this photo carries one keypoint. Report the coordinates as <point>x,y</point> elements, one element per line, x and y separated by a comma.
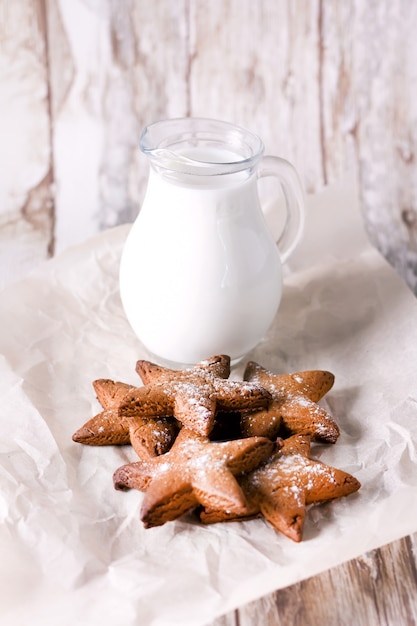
<point>192,395</point>
<point>282,487</point>
<point>195,471</point>
<point>294,405</point>
<point>148,436</point>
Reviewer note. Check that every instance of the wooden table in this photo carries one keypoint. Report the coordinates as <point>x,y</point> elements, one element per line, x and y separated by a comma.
<point>377,589</point>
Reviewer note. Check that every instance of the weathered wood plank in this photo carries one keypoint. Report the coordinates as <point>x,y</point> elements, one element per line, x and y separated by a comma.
<point>368,107</point>
<point>79,35</point>
<point>387,133</point>
<point>378,588</point>
<point>160,74</point>
<point>26,200</point>
<point>116,67</point>
<point>256,64</point>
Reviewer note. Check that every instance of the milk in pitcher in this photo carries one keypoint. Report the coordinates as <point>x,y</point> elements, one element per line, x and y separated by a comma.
<point>200,273</point>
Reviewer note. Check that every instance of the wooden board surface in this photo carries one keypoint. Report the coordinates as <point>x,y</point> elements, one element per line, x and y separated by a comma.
<point>378,589</point>
<point>26,173</point>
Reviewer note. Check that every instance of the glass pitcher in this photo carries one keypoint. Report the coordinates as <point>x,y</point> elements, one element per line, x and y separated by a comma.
<point>200,272</point>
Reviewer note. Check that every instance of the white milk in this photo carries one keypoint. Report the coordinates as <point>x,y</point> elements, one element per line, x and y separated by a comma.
<point>200,273</point>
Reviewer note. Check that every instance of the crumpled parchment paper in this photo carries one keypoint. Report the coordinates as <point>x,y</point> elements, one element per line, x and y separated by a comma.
<point>73,549</point>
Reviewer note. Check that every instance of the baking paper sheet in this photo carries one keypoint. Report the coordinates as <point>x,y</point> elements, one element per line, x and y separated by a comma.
<point>73,549</point>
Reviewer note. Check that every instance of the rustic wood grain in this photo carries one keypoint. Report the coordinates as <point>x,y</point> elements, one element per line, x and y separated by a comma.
<point>126,67</point>
<point>84,86</point>
<point>378,589</point>
<point>160,74</point>
<point>26,199</point>
<point>368,107</point>
<point>256,64</point>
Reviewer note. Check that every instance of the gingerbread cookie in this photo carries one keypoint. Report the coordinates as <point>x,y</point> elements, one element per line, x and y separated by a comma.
<point>110,393</point>
<point>294,407</point>
<point>148,437</point>
<point>195,471</point>
<point>192,395</point>
<point>149,372</point>
<point>186,427</point>
<point>282,487</point>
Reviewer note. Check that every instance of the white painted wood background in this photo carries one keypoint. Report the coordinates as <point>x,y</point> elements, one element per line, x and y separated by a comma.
<point>329,84</point>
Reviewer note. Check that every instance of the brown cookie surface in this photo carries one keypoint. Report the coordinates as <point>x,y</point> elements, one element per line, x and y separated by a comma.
<point>149,372</point>
<point>192,395</point>
<point>148,437</point>
<point>282,487</point>
<point>110,393</point>
<point>195,471</point>
<point>294,407</point>
<point>209,443</point>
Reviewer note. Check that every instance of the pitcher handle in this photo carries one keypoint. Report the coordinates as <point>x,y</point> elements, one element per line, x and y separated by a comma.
<point>294,200</point>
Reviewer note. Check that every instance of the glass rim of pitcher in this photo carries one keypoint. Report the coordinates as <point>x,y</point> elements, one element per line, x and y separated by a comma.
<point>170,144</point>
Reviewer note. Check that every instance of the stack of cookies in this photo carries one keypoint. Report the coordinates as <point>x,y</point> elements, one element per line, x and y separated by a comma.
<point>225,449</point>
